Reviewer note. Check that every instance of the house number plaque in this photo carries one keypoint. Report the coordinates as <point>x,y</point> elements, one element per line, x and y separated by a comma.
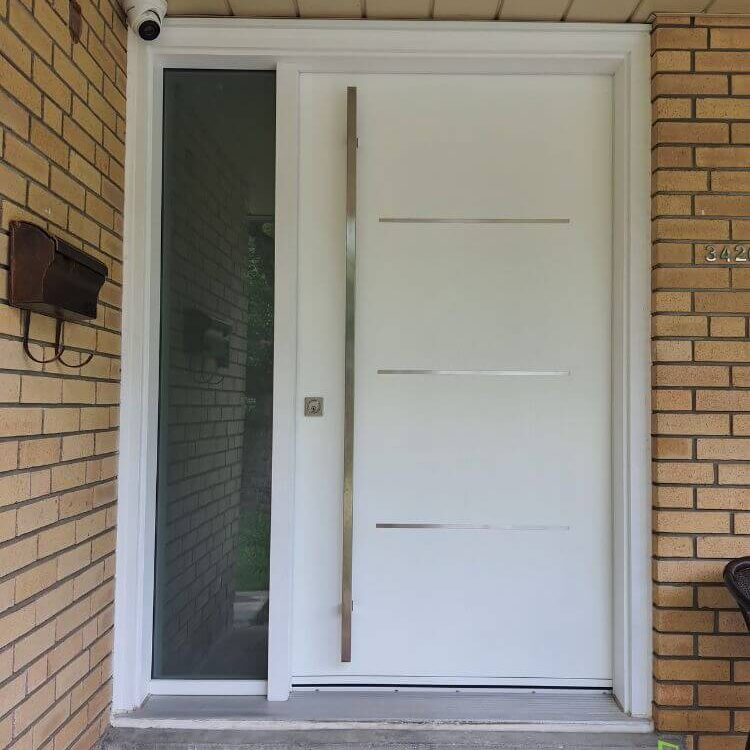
<point>726,253</point>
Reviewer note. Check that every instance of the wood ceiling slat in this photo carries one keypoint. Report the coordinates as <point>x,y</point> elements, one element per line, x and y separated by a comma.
<point>330,8</point>
<point>398,8</point>
<point>730,6</point>
<point>474,10</point>
<point>262,8</point>
<point>613,11</point>
<point>533,10</point>
<point>647,7</point>
<point>198,8</point>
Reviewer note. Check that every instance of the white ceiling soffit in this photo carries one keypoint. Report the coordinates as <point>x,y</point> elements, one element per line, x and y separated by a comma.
<point>607,11</point>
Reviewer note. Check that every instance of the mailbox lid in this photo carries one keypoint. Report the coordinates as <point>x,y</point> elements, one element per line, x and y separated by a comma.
<point>84,259</point>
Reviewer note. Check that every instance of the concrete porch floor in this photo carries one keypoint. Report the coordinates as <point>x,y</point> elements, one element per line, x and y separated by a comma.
<point>125,738</point>
<point>592,711</point>
<point>353,709</point>
<point>361,720</point>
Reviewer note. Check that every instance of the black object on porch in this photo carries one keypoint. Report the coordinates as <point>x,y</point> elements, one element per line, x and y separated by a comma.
<point>737,579</point>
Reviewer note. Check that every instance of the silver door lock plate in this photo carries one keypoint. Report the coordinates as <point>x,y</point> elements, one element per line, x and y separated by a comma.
<point>313,406</point>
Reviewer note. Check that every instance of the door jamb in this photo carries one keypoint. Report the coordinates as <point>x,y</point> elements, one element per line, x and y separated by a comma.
<point>294,47</point>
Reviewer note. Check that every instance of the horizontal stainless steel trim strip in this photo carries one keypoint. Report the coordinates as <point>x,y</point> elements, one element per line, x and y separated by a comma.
<point>464,220</point>
<point>471,527</point>
<point>496,373</point>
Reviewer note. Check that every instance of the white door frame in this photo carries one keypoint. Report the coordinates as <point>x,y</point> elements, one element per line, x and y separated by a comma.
<point>292,47</point>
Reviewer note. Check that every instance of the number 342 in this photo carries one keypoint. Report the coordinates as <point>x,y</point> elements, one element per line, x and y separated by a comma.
<point>728,253</point>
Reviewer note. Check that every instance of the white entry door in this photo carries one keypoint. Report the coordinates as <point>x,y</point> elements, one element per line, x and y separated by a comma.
<point>482,532</point>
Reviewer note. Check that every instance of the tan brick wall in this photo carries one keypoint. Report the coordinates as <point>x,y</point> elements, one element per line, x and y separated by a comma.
<point>62,109</point>
<point>701,375</point>
<point>61,164</point>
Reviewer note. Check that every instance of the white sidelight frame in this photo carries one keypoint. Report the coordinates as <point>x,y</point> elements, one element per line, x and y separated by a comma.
<point>291,48</point>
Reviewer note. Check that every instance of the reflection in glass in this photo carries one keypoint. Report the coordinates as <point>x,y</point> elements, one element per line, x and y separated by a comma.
<point>216,368</point>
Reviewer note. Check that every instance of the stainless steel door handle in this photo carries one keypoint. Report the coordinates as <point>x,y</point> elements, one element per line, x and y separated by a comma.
<point>351,269</point>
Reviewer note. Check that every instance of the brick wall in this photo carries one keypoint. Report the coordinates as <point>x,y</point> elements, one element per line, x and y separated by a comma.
<point>62,125</point>
<point>701,353</point>
<point>61,164</point>
<point>203,407</point>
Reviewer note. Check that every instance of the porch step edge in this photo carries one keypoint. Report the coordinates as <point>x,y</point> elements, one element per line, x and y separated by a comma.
<point>626,726</point>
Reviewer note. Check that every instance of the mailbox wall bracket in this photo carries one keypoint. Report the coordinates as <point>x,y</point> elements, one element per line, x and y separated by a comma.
<point>59,344</point>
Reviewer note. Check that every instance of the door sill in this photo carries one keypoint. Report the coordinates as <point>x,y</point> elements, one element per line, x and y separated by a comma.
<point>493,711</point>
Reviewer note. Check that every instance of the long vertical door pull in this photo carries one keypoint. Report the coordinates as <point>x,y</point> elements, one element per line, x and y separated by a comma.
<point>351,272</point>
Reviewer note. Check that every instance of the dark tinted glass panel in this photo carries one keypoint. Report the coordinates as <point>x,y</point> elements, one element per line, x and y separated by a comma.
<point>214,462</point>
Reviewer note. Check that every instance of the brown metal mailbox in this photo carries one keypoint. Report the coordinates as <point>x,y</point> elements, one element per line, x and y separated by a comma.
<point>50,276</point>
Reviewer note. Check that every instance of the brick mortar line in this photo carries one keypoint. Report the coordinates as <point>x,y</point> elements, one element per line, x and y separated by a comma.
<point>63,463</point>
<point>49,344</point>
<point>45,435</point>
<point>94,405</point>
<point>76,433</point>
<point>64,376</point>
<point>66,405</point>
<point>47,468</point>
<point>88,325</point>
<point>685,558</point>
<point>709,363</point>
<point>59,521</point>
<point>710,486</point>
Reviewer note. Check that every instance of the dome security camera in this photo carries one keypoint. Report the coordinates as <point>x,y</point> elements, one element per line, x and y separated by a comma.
<point>145,17</point>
